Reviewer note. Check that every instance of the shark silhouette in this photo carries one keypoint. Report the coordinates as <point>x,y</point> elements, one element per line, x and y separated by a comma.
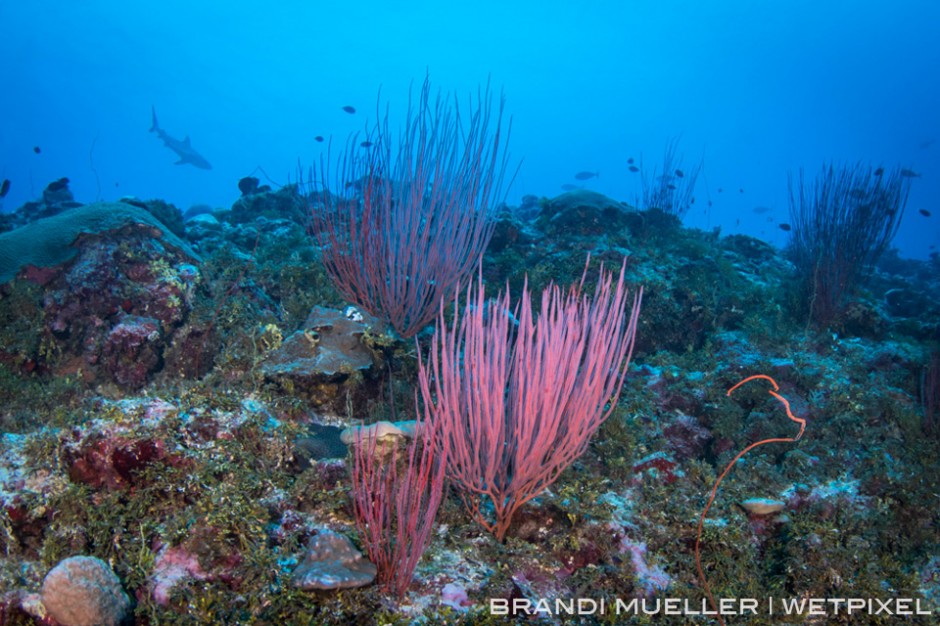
<point>183,149</point>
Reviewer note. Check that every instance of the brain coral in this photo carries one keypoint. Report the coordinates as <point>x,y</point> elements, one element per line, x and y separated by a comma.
<point>47,242</point>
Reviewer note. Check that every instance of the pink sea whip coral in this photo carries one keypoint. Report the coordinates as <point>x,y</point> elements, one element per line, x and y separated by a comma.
<point>518,398</point>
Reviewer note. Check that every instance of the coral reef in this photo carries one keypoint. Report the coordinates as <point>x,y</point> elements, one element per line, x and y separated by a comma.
<point>174,410</point>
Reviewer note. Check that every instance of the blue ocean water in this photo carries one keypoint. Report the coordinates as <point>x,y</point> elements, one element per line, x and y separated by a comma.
<point>755,90</point>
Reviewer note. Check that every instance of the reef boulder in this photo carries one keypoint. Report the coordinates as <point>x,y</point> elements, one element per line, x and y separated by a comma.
<point>331,360</point>
<point>84,591</point>
<point>582,212</point>
<point>110,287</point>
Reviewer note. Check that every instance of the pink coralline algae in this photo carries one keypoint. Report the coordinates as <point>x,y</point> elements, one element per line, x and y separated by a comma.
<point>686,437</point>
<point>455,596</point>
<point>172,566</point>
<point>658,465</point>
<point>132,350</point>
<point>113,462</point>
<point>649,578</point>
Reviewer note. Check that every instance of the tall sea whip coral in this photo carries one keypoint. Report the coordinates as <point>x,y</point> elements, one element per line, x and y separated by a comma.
<point>841,225</point>
<point>517,399</point>
<point>408,219</point>
<point>395,501</point>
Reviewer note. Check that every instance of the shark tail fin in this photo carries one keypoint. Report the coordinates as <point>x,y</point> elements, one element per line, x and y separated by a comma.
<point>154,127</point>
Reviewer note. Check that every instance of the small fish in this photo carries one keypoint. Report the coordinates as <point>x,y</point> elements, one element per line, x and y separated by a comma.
<point>906,173</point>
<point>679,173</point>
<point>36,149</point>
<point>720,190</point>
<point>4,187</point>
<point>762,209</point>
<point>671,187</point>
<point>785,227</point>
<point>586,175</point>
<point>366,144</point>
<point>630,161</point>
<point>740,191</point>
<point>923,212</point>
<point>880,171</point>
<point>569,187</point>
<point>634,169</point>
<point>318,138</point>
<point>349,109</point>
<point>710,203</point>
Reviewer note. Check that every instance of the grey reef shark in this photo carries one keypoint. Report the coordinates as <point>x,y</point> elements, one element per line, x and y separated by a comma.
<point>183,149</point>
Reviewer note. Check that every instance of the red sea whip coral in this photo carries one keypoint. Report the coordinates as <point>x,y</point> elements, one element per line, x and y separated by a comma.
<point>410,215</point>
<point>395,501</point>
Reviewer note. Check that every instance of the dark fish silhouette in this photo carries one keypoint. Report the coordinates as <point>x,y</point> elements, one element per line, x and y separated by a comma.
<point>923,212</point>
<point>630,161</point>
<point>679,173</point>
<point>349,109</point>
<point>4,187</point>
<point>366,144</point>
<point>720,190</point>
<point>36,149</point>
<point>880,171</point>
<point>906,173</point>
<point>183,149</point>
<point>785,227</point>
<point>318,139</point>
<point>634,169</point>
<point>586,175</point>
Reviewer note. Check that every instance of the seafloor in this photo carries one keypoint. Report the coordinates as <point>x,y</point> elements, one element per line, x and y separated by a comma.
<point>154,416</point>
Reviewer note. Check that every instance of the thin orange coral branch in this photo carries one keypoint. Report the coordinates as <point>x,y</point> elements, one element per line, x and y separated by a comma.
<point>711,499</point>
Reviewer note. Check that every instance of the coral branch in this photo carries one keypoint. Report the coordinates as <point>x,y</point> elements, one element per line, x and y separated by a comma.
<point>711,499</point>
